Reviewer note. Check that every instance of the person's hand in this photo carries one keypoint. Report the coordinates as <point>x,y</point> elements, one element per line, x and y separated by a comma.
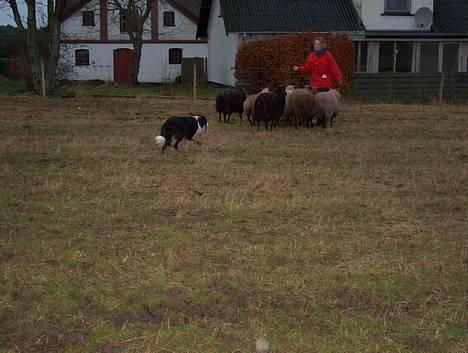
<point>340,83</point>
<point>295,68</point>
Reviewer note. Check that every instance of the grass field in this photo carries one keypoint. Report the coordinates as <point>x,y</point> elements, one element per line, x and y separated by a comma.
<point>350,239</point>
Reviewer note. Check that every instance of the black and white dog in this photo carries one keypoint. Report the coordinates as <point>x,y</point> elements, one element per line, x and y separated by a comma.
<point>180,127</point>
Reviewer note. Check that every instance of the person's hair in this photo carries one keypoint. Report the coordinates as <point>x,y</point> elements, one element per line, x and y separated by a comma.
<point>320,39</point>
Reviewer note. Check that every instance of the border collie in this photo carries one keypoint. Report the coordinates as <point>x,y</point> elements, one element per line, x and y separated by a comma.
<point>180,127</point>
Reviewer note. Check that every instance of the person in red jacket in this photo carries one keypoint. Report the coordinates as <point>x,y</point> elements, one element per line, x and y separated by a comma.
<point>322,66</point>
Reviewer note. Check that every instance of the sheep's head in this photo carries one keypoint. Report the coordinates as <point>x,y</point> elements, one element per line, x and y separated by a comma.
<point>336,93</point>
<point>280,89</point>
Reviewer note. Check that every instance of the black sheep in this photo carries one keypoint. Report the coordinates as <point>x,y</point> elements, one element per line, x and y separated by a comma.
<point>269,107</point>
<point>230,101</point>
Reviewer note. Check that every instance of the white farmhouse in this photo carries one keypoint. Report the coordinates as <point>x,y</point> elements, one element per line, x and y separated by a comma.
<point>95,45</point>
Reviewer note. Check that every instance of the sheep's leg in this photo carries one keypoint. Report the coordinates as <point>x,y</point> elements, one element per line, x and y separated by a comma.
<point>250,120</point>
<point>333,117</point>
<point>240,114</point>
<point>325,122</point>
<point>219,114</point>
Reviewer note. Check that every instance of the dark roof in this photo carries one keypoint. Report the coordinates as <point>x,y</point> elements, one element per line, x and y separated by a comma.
<point>450,16</point>
<point>290,16</point>
<point>191,5</point>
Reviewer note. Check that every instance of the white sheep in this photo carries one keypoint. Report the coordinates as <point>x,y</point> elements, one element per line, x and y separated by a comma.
<point>249,103</point>
<point>327,107</point>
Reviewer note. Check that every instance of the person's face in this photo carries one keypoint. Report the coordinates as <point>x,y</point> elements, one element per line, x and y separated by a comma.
<point>317,45</point>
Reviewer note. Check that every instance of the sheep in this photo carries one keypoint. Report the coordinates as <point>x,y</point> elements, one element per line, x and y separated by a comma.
<point>300,105</point>
<point>287,107</point>
<point>303,107</point>
<point>230,101</point>
<point>269,107</point>
<point>327,107</point>
<point>249,104</point>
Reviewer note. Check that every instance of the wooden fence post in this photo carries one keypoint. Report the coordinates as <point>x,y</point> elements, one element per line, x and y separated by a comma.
<point>441,87</point>
<point>195,80</point>
<point>43,84</point>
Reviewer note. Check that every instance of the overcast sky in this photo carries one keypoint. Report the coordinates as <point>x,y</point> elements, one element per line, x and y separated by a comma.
<point>6,16</point>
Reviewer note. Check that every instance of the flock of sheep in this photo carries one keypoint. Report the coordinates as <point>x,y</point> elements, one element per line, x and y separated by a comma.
<point>293,106</point>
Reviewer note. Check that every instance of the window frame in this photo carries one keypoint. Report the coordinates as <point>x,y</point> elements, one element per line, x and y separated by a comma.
<point>78,58</point>
<point>397,11</point>
<point>171,22</point>
<point>123,21</point>
<point>91,16</point>
<point>171,56</point>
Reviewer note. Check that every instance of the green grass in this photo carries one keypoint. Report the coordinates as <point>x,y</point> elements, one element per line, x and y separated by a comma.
<point>113,90</point>
<point>350,239</point>
<point>8,87</point>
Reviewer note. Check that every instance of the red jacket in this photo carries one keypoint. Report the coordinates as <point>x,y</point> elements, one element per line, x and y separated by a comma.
<point>323,70</point>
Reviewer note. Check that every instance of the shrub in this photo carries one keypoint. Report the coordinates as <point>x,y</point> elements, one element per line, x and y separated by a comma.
<point>265,63</point>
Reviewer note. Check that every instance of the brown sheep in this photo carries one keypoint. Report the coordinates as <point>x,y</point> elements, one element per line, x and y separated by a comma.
<point>249,104</point>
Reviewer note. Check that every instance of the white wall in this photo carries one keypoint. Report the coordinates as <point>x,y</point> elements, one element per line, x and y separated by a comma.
<point>222,49</point>
<point>371,14</point>
<point>154,65</point>
<point>184,27</point>
<point>72,27</point>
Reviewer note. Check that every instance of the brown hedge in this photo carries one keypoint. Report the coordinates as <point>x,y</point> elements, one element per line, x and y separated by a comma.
<point>265,63</point>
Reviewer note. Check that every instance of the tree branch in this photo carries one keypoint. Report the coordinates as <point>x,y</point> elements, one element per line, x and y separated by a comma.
<point>14,8</point>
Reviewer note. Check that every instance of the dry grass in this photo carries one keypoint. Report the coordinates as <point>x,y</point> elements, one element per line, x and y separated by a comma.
<point>351,239</point>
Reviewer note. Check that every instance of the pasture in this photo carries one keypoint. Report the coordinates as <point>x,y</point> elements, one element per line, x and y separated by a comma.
<point>349,239</point>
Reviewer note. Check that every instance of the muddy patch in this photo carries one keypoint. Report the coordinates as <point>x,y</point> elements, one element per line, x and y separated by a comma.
<point>51,340</point>
<point>6,255</point>
<point>355,302</point>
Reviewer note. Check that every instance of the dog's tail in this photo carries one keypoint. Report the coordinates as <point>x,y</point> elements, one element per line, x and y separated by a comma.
<point>160,141</point>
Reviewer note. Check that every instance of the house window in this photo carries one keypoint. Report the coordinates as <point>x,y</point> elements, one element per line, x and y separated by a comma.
<point>395,56</point>
<point>397,6</point>
<point>429,57</point>
<point>450,58</point>
<point>175,56</point>
<point>88,18</point>
<point>360,56</point>
<point>403,56</point>
<point>168,19</point>
<point>386,50</point>
<point>123,21</point>
<point>81,57</point>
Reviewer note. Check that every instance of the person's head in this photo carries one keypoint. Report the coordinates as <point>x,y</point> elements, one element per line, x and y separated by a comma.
<point>318,43</point>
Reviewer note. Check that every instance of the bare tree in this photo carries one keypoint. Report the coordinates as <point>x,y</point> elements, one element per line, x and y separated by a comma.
<point>55,10</point>
<point>136,13</point>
